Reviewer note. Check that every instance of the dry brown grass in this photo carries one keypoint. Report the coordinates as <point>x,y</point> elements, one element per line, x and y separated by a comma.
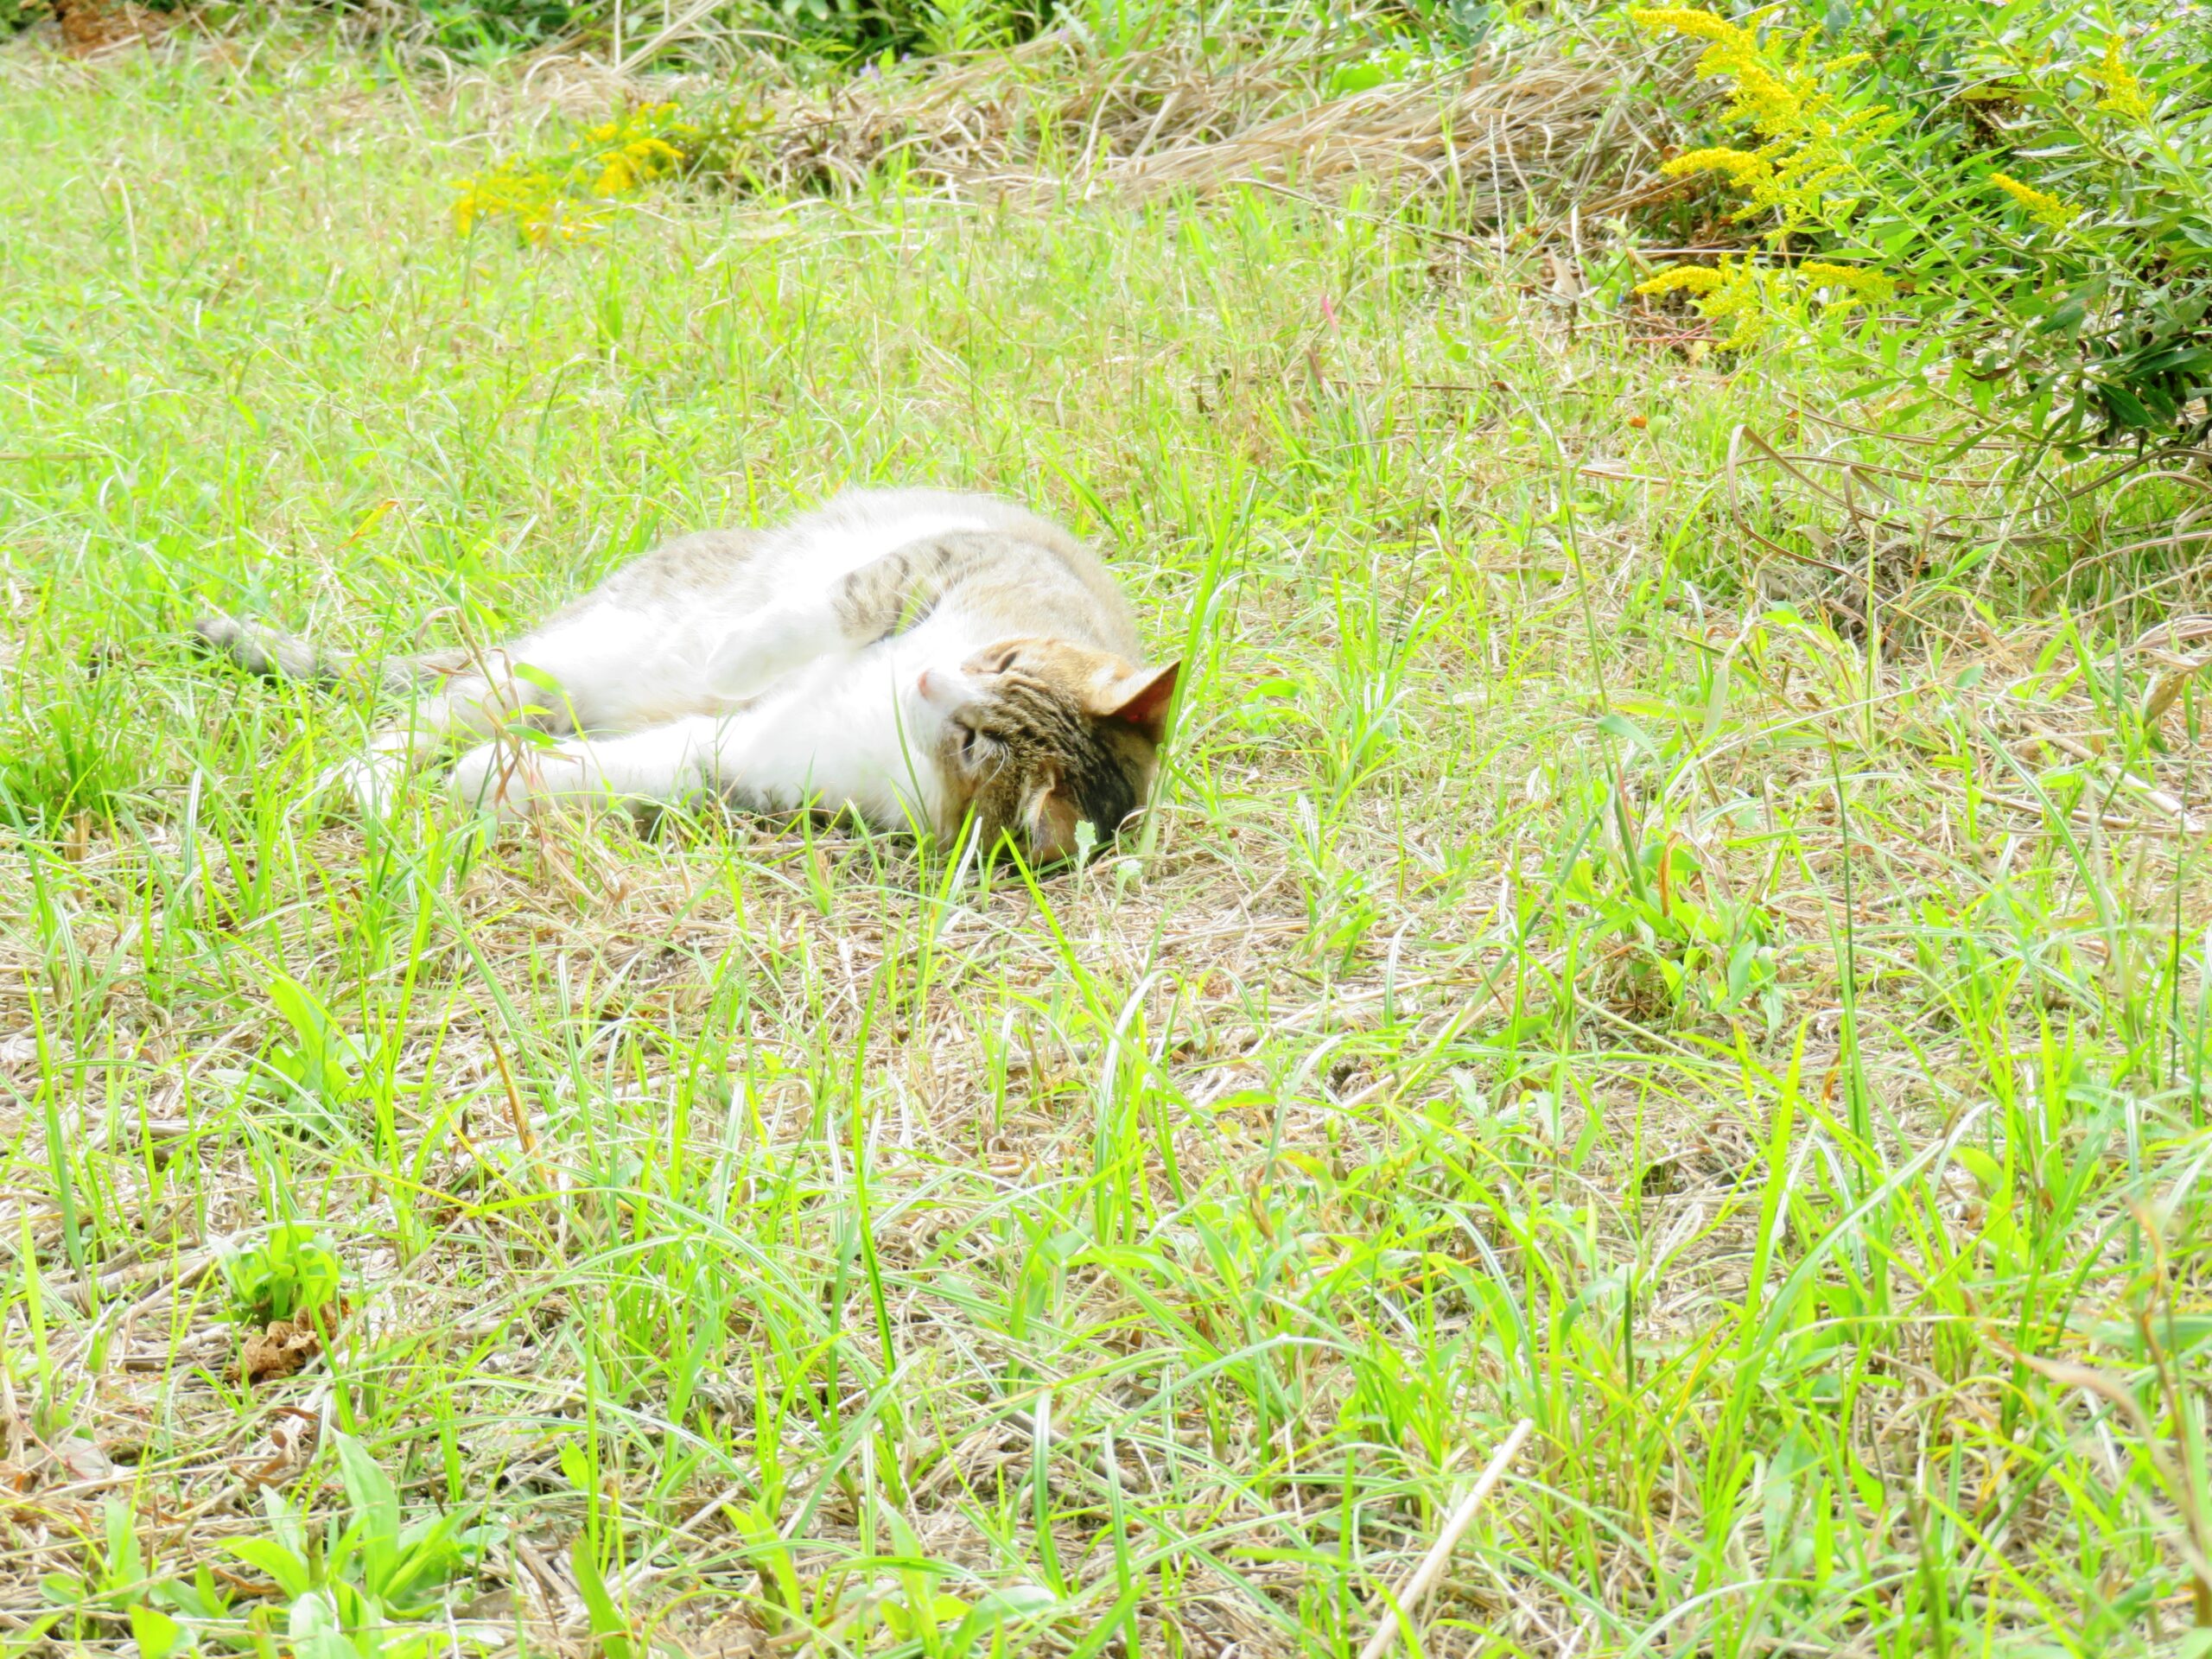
<point>1059,116</point>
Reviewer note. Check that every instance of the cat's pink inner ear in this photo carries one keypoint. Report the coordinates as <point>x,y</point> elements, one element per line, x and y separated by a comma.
<point>1143,698</point>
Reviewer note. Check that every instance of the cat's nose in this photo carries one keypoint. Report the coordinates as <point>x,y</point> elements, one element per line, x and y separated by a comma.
<point>943,688</point>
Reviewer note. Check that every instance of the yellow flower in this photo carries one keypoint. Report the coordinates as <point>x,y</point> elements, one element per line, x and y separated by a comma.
<point>1860,285</point>
<point>1748,297</point>
<point>615,178</point>
<point>1855,280</point>
<point>1808,141</point>
<point>1745,171</point>
<point>650,156</point>
<point>2041,206</point>
<point>1762,94</point>
<point>1688,279</point>
<point>2124,95</point>
<point>1733,294</point>
<point>1740,300</point>
<point>1800,167</point>
<point>1700,24</point>
<point>1728,294</point>
<point>554,198</point>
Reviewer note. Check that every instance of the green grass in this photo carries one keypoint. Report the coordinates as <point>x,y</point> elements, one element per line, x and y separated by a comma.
<point>1554,983</point>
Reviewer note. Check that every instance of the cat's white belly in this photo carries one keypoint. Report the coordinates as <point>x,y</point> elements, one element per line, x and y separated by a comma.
<point>662,716</point>
<point>619,669</point>
<point>836,735</point>
<point>844,732</point>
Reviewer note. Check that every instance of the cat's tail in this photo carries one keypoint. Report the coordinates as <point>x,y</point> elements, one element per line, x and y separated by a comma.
<point>262,650</point>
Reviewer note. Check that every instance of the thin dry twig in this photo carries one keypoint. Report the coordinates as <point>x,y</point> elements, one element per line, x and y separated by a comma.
<point>1439,1553</point>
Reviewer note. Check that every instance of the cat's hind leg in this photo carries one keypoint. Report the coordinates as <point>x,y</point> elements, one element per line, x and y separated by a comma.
<point>441,694</point>
<point>833,740</point>
<point>598,668</point>
<point>467,703</point>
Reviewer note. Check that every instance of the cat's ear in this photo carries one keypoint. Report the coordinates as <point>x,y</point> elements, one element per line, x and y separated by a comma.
<point>1052,818</point>
<point>1140,698</point>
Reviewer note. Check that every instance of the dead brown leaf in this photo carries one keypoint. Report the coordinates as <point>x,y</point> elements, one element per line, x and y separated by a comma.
<point>284,1450</point>
<point>285,1347</point>
<point>82,1458</point>
<point>91,26</point>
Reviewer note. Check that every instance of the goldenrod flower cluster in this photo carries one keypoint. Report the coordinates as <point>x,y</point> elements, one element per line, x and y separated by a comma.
<point>558,198</point>
<point>2041,204</point>
<point>1859,284</point>
<point>1808,136</point>
<point>639,148</point>
<point>2123,92</point>
<point>1736,292</point>
<point>1807,143</point>
<point>1746,298</point>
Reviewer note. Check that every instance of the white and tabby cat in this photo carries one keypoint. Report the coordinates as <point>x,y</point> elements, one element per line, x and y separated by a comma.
<point>908,655</point>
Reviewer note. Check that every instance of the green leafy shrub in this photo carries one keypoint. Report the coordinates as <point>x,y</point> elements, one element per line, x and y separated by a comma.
<point>472,28</point>
<point>2046,209</point>
<point>838,29</point>
<point>69,746</point>
<point>864,28</point>
<point>352,1591</point>
<point>1677,944</point>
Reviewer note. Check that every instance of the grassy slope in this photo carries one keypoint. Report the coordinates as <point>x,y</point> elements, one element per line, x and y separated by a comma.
<point>1177,1239</point>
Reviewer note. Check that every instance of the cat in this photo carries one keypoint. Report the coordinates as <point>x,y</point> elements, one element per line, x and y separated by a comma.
<point>913,656</point>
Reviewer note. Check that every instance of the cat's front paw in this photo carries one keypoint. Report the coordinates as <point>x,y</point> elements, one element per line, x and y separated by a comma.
<point>755,656</point>
<point>519,780</point>
<point>493,778</point>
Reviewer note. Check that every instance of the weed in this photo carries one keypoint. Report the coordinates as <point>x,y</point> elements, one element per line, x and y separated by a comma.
<point>566,194</point>
<point>2074,300</point>
<point>289,1272</point>
<point>357,1589</point>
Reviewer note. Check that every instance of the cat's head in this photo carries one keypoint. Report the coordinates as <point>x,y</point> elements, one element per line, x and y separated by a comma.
<point>1041,735</point>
